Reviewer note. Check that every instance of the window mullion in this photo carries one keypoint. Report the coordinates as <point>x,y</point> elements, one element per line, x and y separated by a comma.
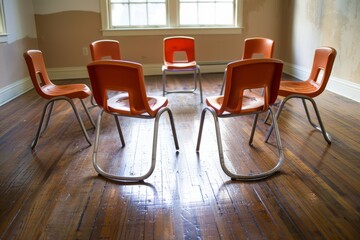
<point>173,13</point>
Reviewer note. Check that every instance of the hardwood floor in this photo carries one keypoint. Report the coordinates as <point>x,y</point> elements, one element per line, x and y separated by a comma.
<point>55,193</point>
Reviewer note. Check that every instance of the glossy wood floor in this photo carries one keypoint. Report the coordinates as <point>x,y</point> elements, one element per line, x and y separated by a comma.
<point>55,193</point>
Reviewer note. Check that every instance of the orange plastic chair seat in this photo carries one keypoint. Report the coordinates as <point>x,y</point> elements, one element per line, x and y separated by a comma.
<point>120,104</point>
<point>180,65</point>
<point>80,91</point>
<point>308,88</point>
<point>251,102</point>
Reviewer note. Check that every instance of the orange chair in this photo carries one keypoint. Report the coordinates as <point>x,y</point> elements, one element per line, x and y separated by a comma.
<point>257,47</point>
<point>306,90</point>
<point>173,48</point>
<point>105,49</point>
<point>124,76</point>
<point>46,89</point>
<point>242,75</point>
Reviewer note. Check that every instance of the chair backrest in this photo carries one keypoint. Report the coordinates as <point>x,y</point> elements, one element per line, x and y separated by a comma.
<point>323,62</point>
<point>105,50</point>
<point>121,76</point>
<point>37,70</point>
<point>258,48</point>
<point>178,44</point>
<point>251,74</point>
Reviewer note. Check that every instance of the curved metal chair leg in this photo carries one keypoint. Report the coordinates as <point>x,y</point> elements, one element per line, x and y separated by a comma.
<point>223,85</point>
<point>196,76</point>
<point>93,103</point>
<point>172,123</point>
<point>48,117</point>
<point>266,117</point>
<point>87,113</point>
<point>37,135</point>
<point>200,129</point>
<point>154,148</point>
<point>234,176</point>
<point>163,81</point>
<point>253,129</point>
<point>282,103</point>
<point>321,127</point>
<point>51,102</point>
<point>119,130</point>
<point>78,118</point>
<point>200,85</point>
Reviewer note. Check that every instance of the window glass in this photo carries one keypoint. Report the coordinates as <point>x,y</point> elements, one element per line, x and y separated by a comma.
<point>137,13</point>
<point>2,19</point>
<point>207,12</point>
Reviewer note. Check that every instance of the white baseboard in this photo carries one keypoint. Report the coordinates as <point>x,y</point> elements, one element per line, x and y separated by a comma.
<point>149,69</point>
<point>14,90</point>
<point>336,85</point>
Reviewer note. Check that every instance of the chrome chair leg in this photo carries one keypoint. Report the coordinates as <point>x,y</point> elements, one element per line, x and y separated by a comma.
<point>253,129</point>
<point>200,85</point>
<point>282,103</point>
<point>87,113</point>
<point>223,85</point>
<point>234,176</point>
<point>200,129</point>
<point>197,77</point>
<point>320,128</point>
<point>48,117</point>
<point>119,130</point>
<point>163,81</point>
<point>172,124</point>
<point>51,103</point>
<point>37,135</point>
<point>92,101</point>
<point>154,147</point>
<point>78,118</point>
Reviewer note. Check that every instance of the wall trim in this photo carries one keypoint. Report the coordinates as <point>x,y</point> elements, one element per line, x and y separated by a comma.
<point>336,85</point>
<point>14,90</point>
<point>149,69</point>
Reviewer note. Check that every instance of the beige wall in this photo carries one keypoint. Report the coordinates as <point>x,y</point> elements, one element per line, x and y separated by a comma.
<point>312,23</point>
<point>20,26</point>
<point>62,36</point>
<point>12,64</point>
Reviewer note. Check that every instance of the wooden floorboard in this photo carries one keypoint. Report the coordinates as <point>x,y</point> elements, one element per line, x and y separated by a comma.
<point>54,192</point>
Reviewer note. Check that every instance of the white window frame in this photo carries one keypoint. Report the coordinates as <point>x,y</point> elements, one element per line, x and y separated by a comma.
<point>174,28</point>
<point>3,34</point>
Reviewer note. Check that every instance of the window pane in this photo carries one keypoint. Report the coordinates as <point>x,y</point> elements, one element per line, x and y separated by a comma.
<point>188,13</point>
<point>157,14</point>
<point>221,18</point>
<point>138,14</point>
<point>120,15</point>
<point>207,12</point>
<point>2,19</point>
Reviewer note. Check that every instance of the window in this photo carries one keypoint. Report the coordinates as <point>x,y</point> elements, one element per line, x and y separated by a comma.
<point>137,13</point>
<point>2,19</point>
<point>207,12</point>
<point>3,34</point>
<point>142,17</point>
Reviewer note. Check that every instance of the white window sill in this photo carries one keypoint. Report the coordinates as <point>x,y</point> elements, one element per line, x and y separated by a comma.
<point>3,38</point>
<point>171,31</point>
